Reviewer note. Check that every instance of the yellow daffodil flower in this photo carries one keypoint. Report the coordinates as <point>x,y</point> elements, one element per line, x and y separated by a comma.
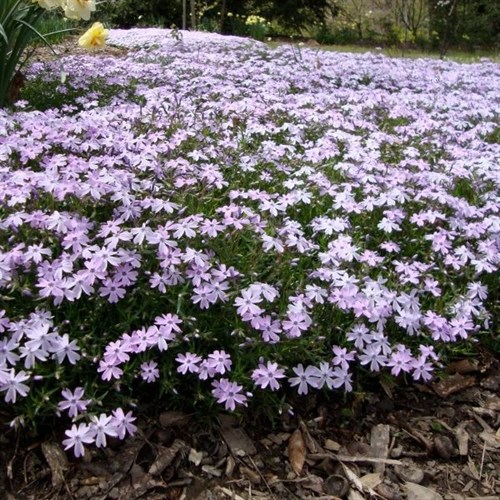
<point>79,9</point>
<point>94,37</point>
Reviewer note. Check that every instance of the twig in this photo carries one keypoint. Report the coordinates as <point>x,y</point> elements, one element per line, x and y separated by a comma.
<point>482,461</point>
<point>348,458</point>
<point>262,477</point>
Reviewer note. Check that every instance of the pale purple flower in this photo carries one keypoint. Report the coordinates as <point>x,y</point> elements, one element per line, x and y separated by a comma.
<point>109,370</point>
<point>188,363</point>
<point>342,357</point>
<point>296,323</point>
<point>323,376</point>
<point>219,362</point>
<point>304,379</point>
<point>422,369</point>
<point>67,349</point>
<point>229,393</point>
<point>102,426</point>
<point>204,296</point>
<point>247,303</point>
<point>149,371</point>
<point>267,375</point>
<point>123,423</point>
<point>77,437</point>
<point>13,385</point>
<point>73,402</point>
<point>400,360</point>
<point>372,354</point>
<point>113,290</point>
<point>7,351</point>
<point>341,378</point>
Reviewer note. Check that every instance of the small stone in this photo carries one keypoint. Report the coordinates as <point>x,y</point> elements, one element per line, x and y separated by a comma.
<point>336,485</point>
<point>386,491</point>
<point>418,492</point>
<point>409,473</point>
<point>114,494</point>
<point>444,447</point>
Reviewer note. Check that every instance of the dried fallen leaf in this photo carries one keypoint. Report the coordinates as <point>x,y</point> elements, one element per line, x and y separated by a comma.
<point>211,470</point>
<point>297,452</point>
<point>473,469</point>
<point>492,403</point>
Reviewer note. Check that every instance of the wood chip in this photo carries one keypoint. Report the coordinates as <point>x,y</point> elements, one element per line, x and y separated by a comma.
<point>463,366</point>
<point>490,439</point>
<point>166,456</point>
<point>462,439</point>
<point>418,492</point>
<point>229,493</point>
<point>238,441</point>
<point>195,457</point>
<point>371,480</point>
<point>211,470</point>
<point>310,442</point>
<point>251,475</point>
<point>174,419</point>
<point>356,481</point>
<point>351,459</point>
<point>453,383</point>
<point>279,438</point>
<point>57,460</point>
<point>380,440</point>
<point>230,464</point>
<point>331,445</point>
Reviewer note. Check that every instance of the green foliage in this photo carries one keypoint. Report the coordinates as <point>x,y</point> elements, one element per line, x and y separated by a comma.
<point>342,35</point>
<point>18,26</point>
<point>54,27</point>
<point>129,13</point>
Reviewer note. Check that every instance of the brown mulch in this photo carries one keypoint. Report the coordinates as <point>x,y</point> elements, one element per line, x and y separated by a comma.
<point>421,442</point>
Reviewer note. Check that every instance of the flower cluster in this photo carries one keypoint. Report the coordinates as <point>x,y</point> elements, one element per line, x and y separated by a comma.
<point>73,9</point>
<point>254,222</point>
<point>251,20</point>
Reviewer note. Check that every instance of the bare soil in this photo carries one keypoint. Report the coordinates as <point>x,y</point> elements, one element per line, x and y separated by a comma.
<point>440,440</point>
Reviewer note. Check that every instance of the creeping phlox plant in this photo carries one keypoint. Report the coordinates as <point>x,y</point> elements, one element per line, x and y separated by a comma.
<point>248,226</point>
<point>19,25</point>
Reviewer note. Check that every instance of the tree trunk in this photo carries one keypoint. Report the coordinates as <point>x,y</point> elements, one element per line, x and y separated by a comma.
<point>192,4</point>
<point>222,16</point>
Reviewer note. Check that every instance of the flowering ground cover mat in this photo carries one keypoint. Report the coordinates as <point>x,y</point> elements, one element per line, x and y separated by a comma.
<point>205,224</point>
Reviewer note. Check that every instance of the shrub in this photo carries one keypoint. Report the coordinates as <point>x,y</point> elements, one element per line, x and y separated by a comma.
<point>130,13</point>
